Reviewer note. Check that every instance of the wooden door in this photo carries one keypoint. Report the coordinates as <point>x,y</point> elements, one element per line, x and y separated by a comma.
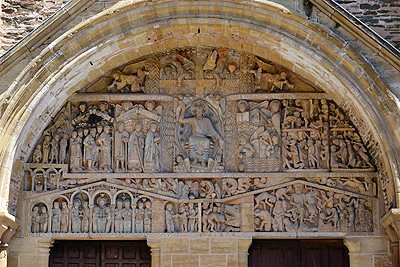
<point>100,254</point>
<point>298,253</point>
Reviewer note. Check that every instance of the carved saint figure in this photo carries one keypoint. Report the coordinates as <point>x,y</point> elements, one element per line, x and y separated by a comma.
<point>56,218</point>
<point>35,220</point>
<point>55,148</point>
<point>118,217</point>
<point>46,148</point>
<point>104,143</point>
<point>127,216</point>
<point>64,217</point>
<point>121,147</point>
<point>152,149</point>
<point>90,150</point>
<point>136,145</point>
<point>202,129</point>
<point>102,216</point>
<point>139,217</point>
<point>43,220</point>
<point>37,154</point>
<point>147,217</point>
<point>76,152</point>
<point>169,218</point>
<point>63,149</point>
<point>76,217</point>
<point>85,217</point>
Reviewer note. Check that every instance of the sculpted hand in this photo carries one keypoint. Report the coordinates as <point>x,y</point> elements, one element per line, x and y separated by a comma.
<point>221,144</point>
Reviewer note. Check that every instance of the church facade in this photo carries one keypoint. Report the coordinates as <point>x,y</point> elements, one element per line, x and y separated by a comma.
<point>190,133</point>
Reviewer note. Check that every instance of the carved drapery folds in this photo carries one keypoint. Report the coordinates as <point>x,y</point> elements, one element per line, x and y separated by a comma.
<point>197,136</point>
<point>199,139</point>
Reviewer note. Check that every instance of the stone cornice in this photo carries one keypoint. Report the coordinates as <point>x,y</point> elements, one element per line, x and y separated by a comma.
<point>43,32</point>
<point>360,30</point>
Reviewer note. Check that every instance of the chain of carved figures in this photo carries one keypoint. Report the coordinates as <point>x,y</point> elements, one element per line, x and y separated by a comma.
<point>200,110</point>
<point>200,207</point>
<point>80,216</point>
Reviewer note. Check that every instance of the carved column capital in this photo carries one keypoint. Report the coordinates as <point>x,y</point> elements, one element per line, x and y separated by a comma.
<point>243,250</point>
<point>155,249</point>
<point>391,222</point>
<point>353,245</point>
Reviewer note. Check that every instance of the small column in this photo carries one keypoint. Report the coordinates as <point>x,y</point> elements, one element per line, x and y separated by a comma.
<point>243,251</point>
<point>155,249</point>
<point>365,250</point>
<point>43,255</point>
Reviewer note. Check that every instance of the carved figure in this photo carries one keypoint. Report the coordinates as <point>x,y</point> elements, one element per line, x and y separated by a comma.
<point>118,217</point>
<point>76,217</point>
<point>245,151</point>
<point>127,83</point>
<point>180,165</point>
<point>63,149</point>
<point>202,129</point>
<point>139,217</point>
<point>232,218</point>
<point>135,152</point>
<point>121,148</point>
<point>90,150</point>
<point>169,218</point>
<point>147,217</point>
<point>64,217</point>
<point>152,149</point>
<point>56,218</point>
<point>102,216</point>
<point>243,115</point>
<point>127,216</point>
<point>76,152</point>
<point>192,218</point>
<point>55,148</point>
<point>104,143</point>
<point>37,154</point>
<point>35,220</point>
<point>183,68</point>
<point>43,220</point>
<point>267,222</point>
<point>85,217</point>
<point>46,148</point>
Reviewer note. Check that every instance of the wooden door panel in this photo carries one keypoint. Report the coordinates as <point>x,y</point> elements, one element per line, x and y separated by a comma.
<point>298,253</point>
<point>100,254</point>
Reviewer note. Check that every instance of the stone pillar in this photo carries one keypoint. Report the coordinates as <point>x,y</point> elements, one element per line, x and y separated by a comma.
<point>243,251</point>
<point>29,252</point>
<point>368,251</point>
<point>154,245</point>
<point>391,222</point>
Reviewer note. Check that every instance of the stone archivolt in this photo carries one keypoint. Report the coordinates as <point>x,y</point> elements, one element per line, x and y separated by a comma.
<point>160,131</point>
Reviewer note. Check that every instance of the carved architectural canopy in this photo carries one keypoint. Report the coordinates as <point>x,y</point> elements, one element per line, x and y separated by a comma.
<point>201,139</point>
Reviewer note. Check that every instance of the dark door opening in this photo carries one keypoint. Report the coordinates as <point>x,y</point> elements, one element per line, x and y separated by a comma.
<point>298,253</point>
<point>100,254</point>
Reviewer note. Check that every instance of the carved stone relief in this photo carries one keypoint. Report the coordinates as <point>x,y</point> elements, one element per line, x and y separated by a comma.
<point>300,208</point>
<point>198,140</point>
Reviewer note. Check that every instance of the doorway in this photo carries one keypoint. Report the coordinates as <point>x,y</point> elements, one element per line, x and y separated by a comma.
<point>298,253</point>
<point>100,254</point>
